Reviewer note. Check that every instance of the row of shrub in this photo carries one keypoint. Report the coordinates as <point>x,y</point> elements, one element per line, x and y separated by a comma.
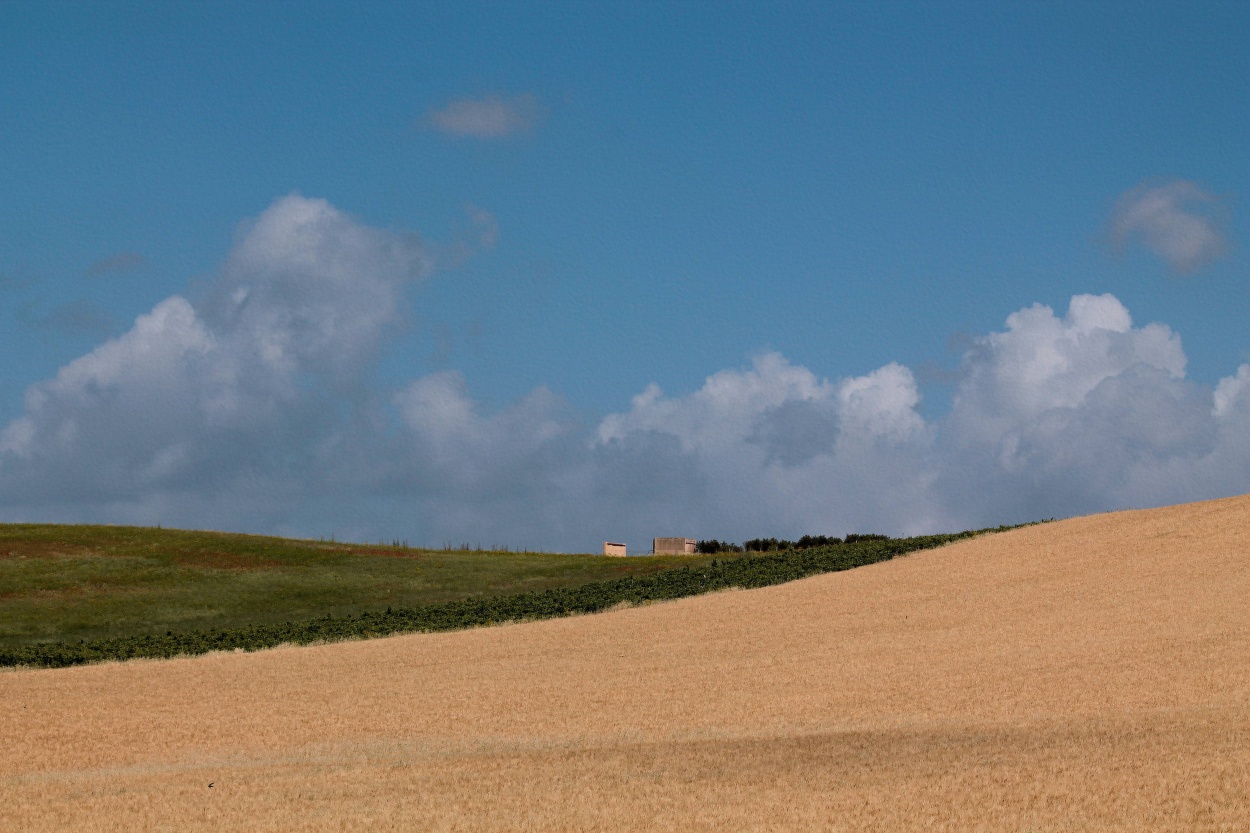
<point>758,571</point>
<point>806,542</point>
<point>714,546</point>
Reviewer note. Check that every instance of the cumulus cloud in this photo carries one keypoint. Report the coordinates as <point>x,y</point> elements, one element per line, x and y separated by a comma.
<point>491,117</point>
<point>308,290</point>
<point>774,447</point>
<point>1041,362</point>
<point>1177,220</point>
<point>1055,415</point>
<point>724,411</point>
<point>1062,415</point>
<point>258,409</point>
<point>233,400</point>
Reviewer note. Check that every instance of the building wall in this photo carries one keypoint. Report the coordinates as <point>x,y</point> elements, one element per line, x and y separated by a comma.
<point>617,550</point>
<point>673,546</point>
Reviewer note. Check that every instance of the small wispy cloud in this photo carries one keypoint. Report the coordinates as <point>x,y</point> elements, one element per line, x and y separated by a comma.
<point>491,117</point>
<point>485,228</point>
<point>478,233</point>
<point>1178,220</point>
<point>120,262</point>
<point>76,318</point>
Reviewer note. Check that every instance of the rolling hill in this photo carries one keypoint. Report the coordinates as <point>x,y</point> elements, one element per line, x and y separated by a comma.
<point>66,583</point>
<point>1089,674</point>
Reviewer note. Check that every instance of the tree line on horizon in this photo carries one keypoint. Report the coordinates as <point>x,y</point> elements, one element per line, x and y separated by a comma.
<point>713,546</point>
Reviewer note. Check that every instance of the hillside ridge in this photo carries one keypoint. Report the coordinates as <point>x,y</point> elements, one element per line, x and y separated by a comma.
<point>1088,674</point>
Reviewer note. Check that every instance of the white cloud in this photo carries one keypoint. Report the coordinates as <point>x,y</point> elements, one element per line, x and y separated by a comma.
<point>1061,416</point>
<point>258,410</point>
<point>1233,392</point>
<point>236,394</point>
<point>1043,362</point>
<point>491,117</point>
<point>307,288</point>
<point>1177,220</point>
<point>772,449</point>
<point>882,404</point>
<point>448,433</point>
<point>725,410</point>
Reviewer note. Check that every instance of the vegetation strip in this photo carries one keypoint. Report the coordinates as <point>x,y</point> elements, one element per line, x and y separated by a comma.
<point>745,573</point>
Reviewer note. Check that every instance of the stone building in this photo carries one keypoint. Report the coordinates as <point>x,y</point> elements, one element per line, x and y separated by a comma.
<point>673,546</point>
<point>610,548</point>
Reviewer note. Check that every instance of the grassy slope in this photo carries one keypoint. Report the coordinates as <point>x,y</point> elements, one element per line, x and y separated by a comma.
<point>93,582</point>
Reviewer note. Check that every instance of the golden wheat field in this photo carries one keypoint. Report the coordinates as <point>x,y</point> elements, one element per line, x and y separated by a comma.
<point>1090,674</point>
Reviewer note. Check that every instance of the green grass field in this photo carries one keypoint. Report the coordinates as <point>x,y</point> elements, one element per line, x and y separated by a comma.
<point>65,583</point>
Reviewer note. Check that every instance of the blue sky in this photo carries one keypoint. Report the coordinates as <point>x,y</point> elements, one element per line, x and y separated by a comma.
<point>603,198</point>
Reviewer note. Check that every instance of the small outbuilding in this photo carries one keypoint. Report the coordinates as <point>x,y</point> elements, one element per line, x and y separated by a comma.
<point>673,546</point>
<point>610,548</point>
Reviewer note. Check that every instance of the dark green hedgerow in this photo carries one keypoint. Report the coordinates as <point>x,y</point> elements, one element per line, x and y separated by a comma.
<point>589,598</point>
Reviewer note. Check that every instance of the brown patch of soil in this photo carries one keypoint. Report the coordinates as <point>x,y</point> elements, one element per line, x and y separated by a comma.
<point>224,561</point>
<point>43,549</point>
